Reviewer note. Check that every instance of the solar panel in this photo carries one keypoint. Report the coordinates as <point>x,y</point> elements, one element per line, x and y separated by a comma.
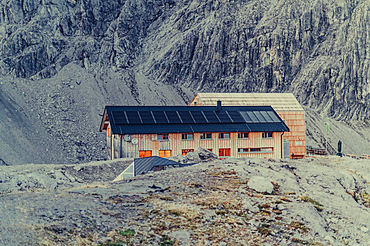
<point>160,117</point>
<point>236,117</point>
<point>266,116</point>
<point>211,117</point>
<point>246,117</point>
<point>173,117</point>
<point>133,117</point>
<point>186,117</point>
<point>252,117</point>
<point>273,116</point>
<point>198,117</point>
<point>146,117</point>
<point>119,117</point>
<point>224,118</point>
<point>259,116</point>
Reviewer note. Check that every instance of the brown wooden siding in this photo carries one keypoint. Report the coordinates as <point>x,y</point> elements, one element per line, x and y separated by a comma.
<point>176,144</point>
<point>297,135</point>
<point>295,120</point>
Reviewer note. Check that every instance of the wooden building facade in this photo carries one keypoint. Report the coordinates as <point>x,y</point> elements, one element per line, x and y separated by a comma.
<point>143,131</point>
<point>284,104</point>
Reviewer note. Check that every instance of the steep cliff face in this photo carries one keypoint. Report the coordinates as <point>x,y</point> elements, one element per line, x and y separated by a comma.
<point>84,54</point>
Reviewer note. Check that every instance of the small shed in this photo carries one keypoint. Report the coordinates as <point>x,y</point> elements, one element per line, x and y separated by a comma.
<point>284,104</point>
<point>146,164</point>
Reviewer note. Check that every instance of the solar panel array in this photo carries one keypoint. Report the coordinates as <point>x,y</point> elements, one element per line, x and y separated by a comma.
<point>259,116</point>
<point>176,117</point>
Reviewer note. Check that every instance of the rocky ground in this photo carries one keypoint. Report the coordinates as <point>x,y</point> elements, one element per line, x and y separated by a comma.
<point>315,201</point>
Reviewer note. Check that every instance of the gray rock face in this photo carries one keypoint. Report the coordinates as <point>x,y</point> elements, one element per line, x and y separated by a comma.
<point>260,184</point>
<point>73,57</point>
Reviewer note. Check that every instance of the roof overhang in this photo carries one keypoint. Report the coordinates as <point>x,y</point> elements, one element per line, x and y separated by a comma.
<point>104,122</point>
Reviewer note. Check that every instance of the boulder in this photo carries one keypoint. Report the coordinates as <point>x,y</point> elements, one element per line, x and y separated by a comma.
<point>260,184</point>
<point>205,154</point>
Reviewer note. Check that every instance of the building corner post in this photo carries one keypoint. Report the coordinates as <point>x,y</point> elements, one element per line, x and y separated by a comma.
<point>112,149</point>
<point>282,146</point>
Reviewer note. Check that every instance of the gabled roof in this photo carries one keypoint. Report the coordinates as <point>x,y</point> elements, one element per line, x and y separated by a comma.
<point>189,119</point>
<point>278,101</point>
<point>148,163</point>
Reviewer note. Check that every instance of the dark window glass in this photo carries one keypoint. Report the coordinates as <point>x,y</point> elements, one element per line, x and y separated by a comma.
<point>255,149</point>
<point>206,136</point>
<point>186,136</point>
<point>243,135</point>
<point>266,134</point>
<point>162,136</point>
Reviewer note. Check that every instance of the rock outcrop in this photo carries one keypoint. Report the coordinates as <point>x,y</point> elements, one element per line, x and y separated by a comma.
<point>139,52</point>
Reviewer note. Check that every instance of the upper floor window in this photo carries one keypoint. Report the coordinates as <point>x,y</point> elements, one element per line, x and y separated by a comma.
<point>266,134</point>
<point>187,136</point>
<point>225,135</point>
<point>206,136</point>
<point>243,134</point>
<point>162,137</point>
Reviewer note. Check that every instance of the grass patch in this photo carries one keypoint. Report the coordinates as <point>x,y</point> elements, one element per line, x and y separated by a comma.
<point>297,240</point>
<point>307,199</point>
<point>299,225</point>
<point>166,241</point>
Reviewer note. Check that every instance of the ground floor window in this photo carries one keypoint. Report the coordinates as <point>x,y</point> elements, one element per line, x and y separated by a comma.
<point>251,150</point>
<point>185,151</point>
<point>242,150</point>
<point>224,152</point>
<point>165,153</point>
<point>255,149</point>
<point>145,153</point>
<point>268,149</point>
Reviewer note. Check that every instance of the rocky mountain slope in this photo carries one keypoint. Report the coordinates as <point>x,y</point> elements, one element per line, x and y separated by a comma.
<point>62,61</point>
<point>316,201</point>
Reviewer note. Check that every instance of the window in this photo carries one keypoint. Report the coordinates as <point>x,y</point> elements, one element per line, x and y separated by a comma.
<point>243,134</point>
<point>224,135</point>
<point>224,152</point>
<point>164,153</point>
<point>255,149</point>
<point>268,149</point>
<point>266,134</point>
<point>187,136</point>
<point>206,136</point>
<point>185,151</point>
<point>241,150</point>
<point>162,137</point>
<point>145,153</point>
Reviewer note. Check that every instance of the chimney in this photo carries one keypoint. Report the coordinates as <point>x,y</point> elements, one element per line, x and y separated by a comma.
<point>219,108</point>
<point>195,103</point>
